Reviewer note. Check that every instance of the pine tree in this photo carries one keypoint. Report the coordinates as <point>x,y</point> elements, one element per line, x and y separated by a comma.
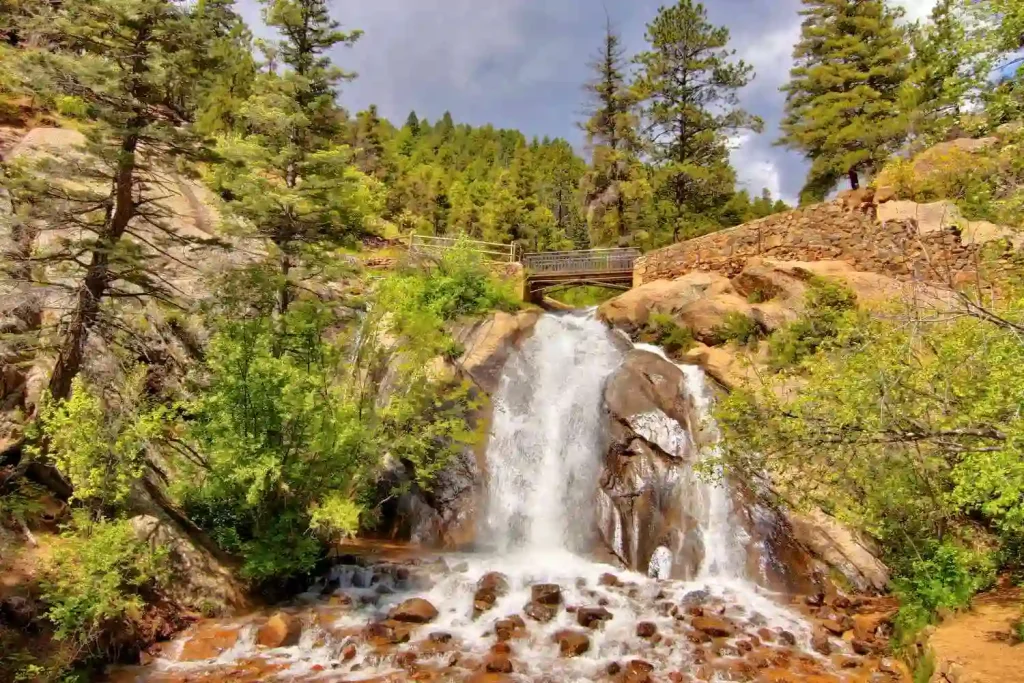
<point>286,174</point>
<point>108,63</point>
<point>611,137</point>
<point>842,100</point>
<point>688,83</point>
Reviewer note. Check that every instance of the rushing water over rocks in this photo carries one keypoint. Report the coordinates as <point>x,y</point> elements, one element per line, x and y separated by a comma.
<point>532,604</point>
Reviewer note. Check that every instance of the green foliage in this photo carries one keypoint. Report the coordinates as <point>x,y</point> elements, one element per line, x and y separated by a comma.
<point>828,306</point>
<point>100,447</point>
<point>842,100</point>
<point>688,83</point>
<point>97,579</point>
<point>909,428</point>
<point>662,330</point>
<point>585,297</point>
<point>944,577</point>
<point>738,328</point>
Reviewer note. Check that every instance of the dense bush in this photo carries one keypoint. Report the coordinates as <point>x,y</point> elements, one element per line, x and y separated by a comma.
<point>738,328</point>
<point>827,305</point>
<point>97,578</point>
<point>908,427</point>
<point>662,330</point>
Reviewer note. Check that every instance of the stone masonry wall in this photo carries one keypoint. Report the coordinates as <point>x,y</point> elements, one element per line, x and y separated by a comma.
<point>845,230</point>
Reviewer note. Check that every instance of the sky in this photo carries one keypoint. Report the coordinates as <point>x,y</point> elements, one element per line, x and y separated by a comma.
<point>522,64</point>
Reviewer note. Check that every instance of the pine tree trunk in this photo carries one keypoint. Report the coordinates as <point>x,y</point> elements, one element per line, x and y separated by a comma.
<point>94,286</point>
<point>854,179</point>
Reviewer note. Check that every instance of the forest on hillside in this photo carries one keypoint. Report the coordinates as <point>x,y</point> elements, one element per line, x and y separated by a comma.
<point>260,378</point>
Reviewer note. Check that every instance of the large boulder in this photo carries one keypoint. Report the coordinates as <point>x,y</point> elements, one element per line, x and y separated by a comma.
<point>490,342</point>
<point>632,310</point>
<point>842,549</point>
<point>200,580</point>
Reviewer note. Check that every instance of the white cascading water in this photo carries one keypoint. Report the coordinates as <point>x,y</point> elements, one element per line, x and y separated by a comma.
<point>544,453</point>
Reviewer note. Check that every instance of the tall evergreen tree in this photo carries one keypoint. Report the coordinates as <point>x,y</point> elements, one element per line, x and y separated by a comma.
<point>286,175</point>
<point>842,100</point>
<point>108,62</point>
<point>689,83</point>
<point>611,138</point>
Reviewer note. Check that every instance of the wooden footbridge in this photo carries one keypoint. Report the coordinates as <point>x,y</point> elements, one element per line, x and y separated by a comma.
<point>549,271</point>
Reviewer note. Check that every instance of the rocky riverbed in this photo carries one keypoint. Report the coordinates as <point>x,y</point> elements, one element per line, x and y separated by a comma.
<point>523,618</point>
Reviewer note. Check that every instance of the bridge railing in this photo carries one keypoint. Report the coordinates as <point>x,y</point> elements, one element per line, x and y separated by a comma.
<point>584,261</point>
<point>489,251</point>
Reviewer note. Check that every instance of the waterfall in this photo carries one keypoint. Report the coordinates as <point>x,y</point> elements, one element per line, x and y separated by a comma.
<point>545,449</point>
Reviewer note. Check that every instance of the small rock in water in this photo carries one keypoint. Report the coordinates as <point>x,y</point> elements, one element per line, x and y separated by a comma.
<point>696,598</point>
<point>613,669</point>
<point>386,633</point>
<point>539,612</point>
<point>405,660</point>
<point>820,642</point>
<point>638,671</point>
<point>348,653</point>
<point>572,643</point>
<point>592,617</point>
<point>716,627</point>
<point>281,630</point>
<point>414,611</point>
<point>498,664</point>
<point>646,629</point>
<point>787,638</point>
<point>547,594</point>
<point>440,637</point>
<point>501,648</point>
<point>489,588</point>
<point>609,580</point>
<point>507,629</point>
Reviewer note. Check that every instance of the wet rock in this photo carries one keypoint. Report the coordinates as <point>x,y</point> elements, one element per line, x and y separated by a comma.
<point>281,630</point>
<point>348,653</point>
<point>546,594</point>
<point>716,627</point>
<point>208,642</point>
<point>509,628</point>
<point>613,669</point>
<point>696,637</point>
<point>820,642</point>
<point>833,627</point>
<point>405,660</point>
<point>498,664</point>
<point>734,670</point>
<point>766,635</point>
<point>637,671</point>
<point>440,637</point>
<point>646,629</point>
<point>592,617</point>
<point>863,647</point>
<point>572,643</point>
<point>539,612</point>
<point>609,580</point>
<point>866,626</point>
<point>816,600</point>
<point>414,611</point>
<point>679,677</point>
<point>387,633</point>
<point>894,667</point>
<point>787,638</point>
<point>695,598</point>
<point>489,588</point>
<point>501,648</point>
<point>490,677</point>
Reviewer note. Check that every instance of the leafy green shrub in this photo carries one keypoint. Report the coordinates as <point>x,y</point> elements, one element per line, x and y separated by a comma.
<point>100,448</point>
<point>826,304</point>
<point>948,578</point>
<point>585,297</point>
<point>662,330</point>
<point>738,328</point>
<point>97,579</point>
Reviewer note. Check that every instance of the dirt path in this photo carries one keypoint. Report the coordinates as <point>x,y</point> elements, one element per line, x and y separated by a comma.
<point>978,647</point>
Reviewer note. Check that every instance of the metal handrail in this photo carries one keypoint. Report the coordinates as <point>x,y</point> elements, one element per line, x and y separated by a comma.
<point>581,261</point>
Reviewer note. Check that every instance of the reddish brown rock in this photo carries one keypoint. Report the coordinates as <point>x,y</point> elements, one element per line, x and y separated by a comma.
<point>509,628</point>
<point>716,627</point>
<point>637,671</point>
<point>572,643</point>
<point>546,594</point>
<point>498,664</point>
<point>501,648</point>
<point>348,653</point>
<point>208,642</point>
<point>787,638</point>
<point>833,627</point>
<point>387,633</point>
<point>440,637</point>
<point>405,660</point>
<point>281,630</point>
<point>539,612</point>
<point>865,626</point>
<point>414,611</point>
<point>609,580</point>
<point>646,629</point>
<point>592,617</point>
<point>820,642</point>
<point>489,588</point>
